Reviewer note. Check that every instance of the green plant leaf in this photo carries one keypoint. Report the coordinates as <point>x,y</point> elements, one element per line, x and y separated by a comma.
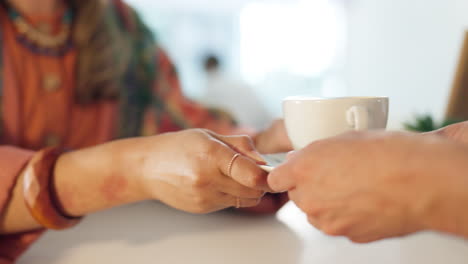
<point>425,123</point>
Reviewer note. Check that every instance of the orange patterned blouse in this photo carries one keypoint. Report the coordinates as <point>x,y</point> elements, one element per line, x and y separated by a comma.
<point>38,110</point>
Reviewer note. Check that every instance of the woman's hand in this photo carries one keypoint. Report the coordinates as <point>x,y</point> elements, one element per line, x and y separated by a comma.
<point>270,204</point>
<point>272,140</point>
<point>369,186</point>
<point>189,170</point>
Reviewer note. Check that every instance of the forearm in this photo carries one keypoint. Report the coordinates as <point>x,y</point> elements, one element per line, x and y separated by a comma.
<point>84,181</point>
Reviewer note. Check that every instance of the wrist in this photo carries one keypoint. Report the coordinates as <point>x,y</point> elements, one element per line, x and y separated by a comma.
<point>96,178</point>
<point>448,212</point>
<point>126,159</point>
<point>143,160</point>
<point>39,191</point>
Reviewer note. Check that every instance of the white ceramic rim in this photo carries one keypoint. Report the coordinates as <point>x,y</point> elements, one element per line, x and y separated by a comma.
<point>311,98</point>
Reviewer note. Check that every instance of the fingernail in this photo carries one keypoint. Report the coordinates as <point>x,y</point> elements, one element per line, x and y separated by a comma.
<point>290,154</point>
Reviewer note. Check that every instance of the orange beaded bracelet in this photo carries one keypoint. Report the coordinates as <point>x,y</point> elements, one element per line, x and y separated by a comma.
<point>38,192</point>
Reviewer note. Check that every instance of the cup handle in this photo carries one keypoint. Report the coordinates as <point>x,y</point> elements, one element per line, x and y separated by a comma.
<point>358,117</point>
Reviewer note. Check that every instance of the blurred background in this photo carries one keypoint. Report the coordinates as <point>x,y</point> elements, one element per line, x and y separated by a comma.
<point>267,49</point>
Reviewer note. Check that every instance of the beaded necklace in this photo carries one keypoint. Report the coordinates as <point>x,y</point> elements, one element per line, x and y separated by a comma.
<point>39,42</point>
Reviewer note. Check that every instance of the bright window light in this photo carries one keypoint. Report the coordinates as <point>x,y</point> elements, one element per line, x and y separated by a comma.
<point>299,38</point>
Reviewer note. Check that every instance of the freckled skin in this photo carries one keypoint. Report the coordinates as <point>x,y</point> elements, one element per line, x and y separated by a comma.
<point>113,187</point>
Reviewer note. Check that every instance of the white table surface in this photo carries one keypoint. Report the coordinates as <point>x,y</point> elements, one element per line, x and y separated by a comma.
<point>153,233</point>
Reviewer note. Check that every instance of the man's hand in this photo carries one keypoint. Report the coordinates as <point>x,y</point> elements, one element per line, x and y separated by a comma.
<point>274,139</point>
<point>374,185</point>
<point>457,132</point>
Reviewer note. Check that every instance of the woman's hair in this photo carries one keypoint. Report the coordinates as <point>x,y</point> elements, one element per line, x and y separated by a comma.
<point>102,51</point>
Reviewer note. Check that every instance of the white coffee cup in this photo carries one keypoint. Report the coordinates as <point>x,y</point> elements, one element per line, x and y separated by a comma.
<point>308,119</point>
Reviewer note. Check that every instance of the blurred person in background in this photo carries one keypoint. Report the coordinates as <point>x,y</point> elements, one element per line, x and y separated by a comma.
<point>77,74</point>
<point>224,92</point>
<point>374,185</point>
